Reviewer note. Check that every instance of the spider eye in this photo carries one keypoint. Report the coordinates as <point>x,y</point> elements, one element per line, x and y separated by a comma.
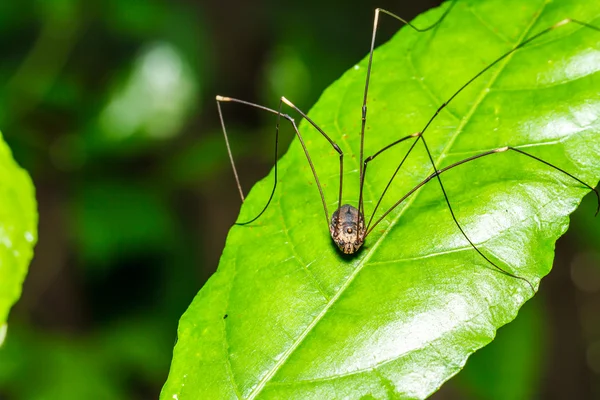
<point>349,230</point>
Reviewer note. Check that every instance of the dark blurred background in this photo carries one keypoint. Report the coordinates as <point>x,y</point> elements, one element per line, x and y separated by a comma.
<point>110,107</point>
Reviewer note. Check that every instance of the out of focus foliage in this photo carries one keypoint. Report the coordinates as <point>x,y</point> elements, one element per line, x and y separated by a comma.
<point>96,100</point>
<point>18,231</point>
<point>109,105</point>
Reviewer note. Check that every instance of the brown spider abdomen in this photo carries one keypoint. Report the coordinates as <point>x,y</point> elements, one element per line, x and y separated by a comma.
<point>347,229</point>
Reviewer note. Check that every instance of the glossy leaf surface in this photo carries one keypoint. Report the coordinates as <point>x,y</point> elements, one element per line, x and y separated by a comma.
<point>287,316</point>
<point>18,230</point>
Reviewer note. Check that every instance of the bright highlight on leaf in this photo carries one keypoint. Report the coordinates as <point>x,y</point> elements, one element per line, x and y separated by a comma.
<point>403,315</point>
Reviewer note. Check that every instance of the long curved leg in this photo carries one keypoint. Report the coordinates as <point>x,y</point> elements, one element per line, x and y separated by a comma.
<point>433,164</point>
<point>279,114</point>
<point>333,144</point>
<point>445,104</point>
<point>363,164</point>
<point>370,65</point>
<point>437,174</point>
<point>371,158</point>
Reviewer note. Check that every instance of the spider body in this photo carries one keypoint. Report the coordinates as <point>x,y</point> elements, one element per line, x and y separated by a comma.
<point>347,229</point>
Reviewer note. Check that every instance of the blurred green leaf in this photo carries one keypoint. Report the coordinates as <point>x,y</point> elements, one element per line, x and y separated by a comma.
<point>113,218</point>
<point>286,72</point>
<point>11,14</point>
<point>155,99</point>
<point>204,158</point>
<point>71,368</point>
<point>101,366</point>
<point>199,160</point>
<point>58,9</point>
<point>137,17</point>
<point>37,72</point>
<point>137,344</point>
<point>286,316</point>
<point>18,230</point>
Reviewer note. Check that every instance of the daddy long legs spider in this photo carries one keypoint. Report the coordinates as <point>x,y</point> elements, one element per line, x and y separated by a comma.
<point>348,226</point>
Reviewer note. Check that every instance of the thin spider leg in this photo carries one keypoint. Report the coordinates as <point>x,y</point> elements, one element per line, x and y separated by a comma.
<point>422,137</point>
<point>371,158</point>
<point>363,165</point>
<point>503,56</point>
<point>235,173</point>
<point>370,64</point>
<point>518,46</point>
<point>564,172</point>
<point>333,144</point>
<point>293,123</point>
<point>437,174</point>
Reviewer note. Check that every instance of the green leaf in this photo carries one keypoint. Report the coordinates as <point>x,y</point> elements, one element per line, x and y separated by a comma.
<point>18,230</point>
<point>511,367</point>
<point>402,316</point>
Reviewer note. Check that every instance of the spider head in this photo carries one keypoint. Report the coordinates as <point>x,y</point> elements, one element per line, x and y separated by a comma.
<point>347,229</point>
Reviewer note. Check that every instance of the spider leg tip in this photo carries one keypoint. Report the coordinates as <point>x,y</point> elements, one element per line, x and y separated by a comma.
<point>598,197</point>
<point>286,101</point>
<point>530,285</point>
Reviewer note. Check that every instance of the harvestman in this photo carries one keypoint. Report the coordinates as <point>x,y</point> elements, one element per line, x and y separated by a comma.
<point>347,224</point>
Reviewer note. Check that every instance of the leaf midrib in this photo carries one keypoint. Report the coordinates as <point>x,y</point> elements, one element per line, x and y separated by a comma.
<point>359,265</point>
